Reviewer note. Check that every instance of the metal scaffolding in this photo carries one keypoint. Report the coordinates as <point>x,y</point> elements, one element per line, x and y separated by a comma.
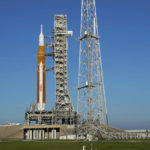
<point>62,100</point>
<point>91,100</point>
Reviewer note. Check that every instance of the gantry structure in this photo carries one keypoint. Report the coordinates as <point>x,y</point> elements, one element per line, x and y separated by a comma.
<point>91,99</point>
<point>62,99</point>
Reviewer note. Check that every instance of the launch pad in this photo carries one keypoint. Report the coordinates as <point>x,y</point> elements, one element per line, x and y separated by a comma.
<point>51,117</point>
<point>91,110</point>
<point>62,121</point>
<point>90,121</point>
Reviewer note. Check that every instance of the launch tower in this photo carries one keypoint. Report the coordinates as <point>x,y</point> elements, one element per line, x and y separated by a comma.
<point>59,54</point>
<point>62,100</point>
<point>91,100</point>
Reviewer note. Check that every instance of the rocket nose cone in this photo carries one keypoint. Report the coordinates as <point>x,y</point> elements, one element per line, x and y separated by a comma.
<point>41,37</point>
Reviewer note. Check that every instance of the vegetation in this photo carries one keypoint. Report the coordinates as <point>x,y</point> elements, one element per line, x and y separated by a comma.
<point>71,145</point>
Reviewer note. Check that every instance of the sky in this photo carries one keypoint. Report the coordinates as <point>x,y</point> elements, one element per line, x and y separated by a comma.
<point>124,27</point>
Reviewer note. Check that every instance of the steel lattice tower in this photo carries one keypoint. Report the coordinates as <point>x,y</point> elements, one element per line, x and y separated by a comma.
<point>62,100</point>
<point>91,100</point>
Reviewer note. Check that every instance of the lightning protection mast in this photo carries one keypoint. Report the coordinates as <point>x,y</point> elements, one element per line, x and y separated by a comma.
<point>91,100</point>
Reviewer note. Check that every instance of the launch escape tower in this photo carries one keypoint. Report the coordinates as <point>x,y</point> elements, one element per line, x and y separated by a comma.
<point>63,111</point>
<point>91,100</point>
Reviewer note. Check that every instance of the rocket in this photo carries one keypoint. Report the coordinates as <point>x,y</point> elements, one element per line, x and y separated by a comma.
<point>41,74</point>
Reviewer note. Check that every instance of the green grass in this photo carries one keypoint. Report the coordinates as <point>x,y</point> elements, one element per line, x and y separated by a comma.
<point>67,145</point>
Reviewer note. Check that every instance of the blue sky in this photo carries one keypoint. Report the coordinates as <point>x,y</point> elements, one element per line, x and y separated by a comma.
<point>124,27</point>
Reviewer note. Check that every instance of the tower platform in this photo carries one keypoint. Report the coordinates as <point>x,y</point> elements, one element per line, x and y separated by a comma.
<point>51,117</point>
